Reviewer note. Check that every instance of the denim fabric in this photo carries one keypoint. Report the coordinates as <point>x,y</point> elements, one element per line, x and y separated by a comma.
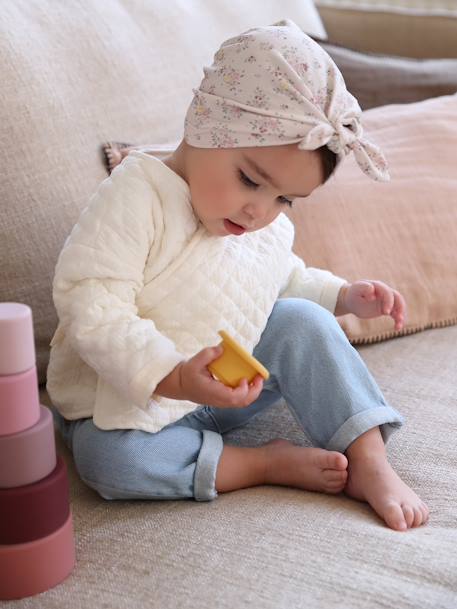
<point>312,366</point>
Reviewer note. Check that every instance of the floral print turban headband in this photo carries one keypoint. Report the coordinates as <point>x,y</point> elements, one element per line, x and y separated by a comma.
<point>274,85</point>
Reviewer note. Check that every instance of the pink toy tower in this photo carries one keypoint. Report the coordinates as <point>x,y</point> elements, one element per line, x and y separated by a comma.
<point>36,532</point>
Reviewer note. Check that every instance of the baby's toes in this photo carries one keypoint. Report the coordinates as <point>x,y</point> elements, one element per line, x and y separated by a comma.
<point>334,461</point>
<point>334,480</point>
<point>394,517</point>
<point>425,512</point>
<point>408,512</point>
<point>415,515</point>
<point>418,517</point>
<point>333,488</point>
<point>334,475</point>
<point>421,514</point>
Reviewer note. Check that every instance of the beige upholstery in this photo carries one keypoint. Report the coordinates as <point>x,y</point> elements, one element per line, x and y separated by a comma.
<point>393,33</point>
<point>404,79</point>
<point>278,548</point>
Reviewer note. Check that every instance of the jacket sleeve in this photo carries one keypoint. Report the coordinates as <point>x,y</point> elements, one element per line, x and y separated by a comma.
<point>98,276</point>
<point>317,285</point>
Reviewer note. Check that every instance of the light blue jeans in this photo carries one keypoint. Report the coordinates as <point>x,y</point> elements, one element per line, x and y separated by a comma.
<point>312,366</point>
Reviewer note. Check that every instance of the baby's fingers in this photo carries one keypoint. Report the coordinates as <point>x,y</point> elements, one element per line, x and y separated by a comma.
<point>246,393</point>
<point>223,396</point>
<point>399,311</point>
<point>385,295</point>
<point>255,388</point>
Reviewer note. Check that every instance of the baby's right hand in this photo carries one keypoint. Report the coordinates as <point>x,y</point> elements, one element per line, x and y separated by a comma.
<point>191,380</point>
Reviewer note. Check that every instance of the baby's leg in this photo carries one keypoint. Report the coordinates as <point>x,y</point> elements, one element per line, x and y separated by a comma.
<point>277,462</point>
<point>335,399</point>
<point>178,462</point>
<point>280,462</point>
<point>188,460</point>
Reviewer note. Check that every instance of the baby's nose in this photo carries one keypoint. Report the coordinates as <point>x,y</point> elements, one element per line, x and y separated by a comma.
<point>254,212</point>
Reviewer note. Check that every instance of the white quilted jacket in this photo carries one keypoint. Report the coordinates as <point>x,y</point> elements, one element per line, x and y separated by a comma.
<point>140,285</point>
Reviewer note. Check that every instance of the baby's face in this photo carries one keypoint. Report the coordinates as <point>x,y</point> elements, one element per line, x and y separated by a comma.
<point>238,190</point>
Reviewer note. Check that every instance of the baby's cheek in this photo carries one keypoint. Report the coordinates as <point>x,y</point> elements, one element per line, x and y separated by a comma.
<point>271,217</point>
<point>201,192</point>
<point>217,191</point>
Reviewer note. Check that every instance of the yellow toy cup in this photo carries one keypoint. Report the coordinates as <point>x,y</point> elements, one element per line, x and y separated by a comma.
<point>235,363</point>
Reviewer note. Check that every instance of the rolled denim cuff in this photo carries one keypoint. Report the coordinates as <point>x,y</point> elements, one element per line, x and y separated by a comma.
<point>388,419</point>
<point>207,462</point>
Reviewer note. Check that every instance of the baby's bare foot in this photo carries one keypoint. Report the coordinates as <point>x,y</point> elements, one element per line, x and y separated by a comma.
<point>373,480</point>
<point>114,152</point>
<point>311,469</point>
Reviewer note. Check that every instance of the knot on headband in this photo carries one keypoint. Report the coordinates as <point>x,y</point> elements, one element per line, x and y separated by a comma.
<point>340,138</point>
<point>344,137</point>
<point>274,85</point>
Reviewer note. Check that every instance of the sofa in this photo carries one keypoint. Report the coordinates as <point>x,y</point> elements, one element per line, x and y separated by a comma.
<point>82,73</point>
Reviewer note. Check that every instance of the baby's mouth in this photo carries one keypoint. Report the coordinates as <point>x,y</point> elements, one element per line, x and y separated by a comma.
<point>233,228</point>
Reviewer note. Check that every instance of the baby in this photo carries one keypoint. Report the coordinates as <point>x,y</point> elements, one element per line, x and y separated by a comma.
<point>170,251</point>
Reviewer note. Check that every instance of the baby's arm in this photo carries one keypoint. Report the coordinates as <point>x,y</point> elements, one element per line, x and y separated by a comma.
<point>98,277</point>
<point>317,285</point>
<point>365,299</point>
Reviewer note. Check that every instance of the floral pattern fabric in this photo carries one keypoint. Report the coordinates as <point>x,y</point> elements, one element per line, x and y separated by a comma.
<point>274,85</point>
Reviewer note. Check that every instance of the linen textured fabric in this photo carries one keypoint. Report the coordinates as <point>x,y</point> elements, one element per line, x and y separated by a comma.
<point>274,85</point>
<point>404,80</point>
<point>141,285</point>
<point>419,34</point>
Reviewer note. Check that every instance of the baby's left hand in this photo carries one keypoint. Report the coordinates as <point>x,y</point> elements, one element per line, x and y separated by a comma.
<point>368,299</point>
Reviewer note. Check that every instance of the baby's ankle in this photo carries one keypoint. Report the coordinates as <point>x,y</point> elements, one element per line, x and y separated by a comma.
<point>369,445</point>
<point>272,465</point>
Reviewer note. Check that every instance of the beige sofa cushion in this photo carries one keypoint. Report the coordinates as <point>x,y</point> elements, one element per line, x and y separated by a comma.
<point>378,80</point>
<point>76,76</point>
<point>403,231</point>
<point>378,29</point>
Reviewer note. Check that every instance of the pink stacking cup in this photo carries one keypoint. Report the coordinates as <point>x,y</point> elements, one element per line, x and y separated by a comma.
<point>19,401</point>
<point>19,405</point>
<point>29,455</point>
<point>29,568</point>
<point>17,347</point>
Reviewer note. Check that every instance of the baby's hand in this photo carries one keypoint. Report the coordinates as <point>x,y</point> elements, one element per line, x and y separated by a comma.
<point>368,299</point>
<point>191,380</point>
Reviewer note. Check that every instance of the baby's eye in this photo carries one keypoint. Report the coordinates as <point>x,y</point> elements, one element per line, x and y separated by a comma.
<point>286,201</point>
<point>247,181</point>
<point>251,184</point>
